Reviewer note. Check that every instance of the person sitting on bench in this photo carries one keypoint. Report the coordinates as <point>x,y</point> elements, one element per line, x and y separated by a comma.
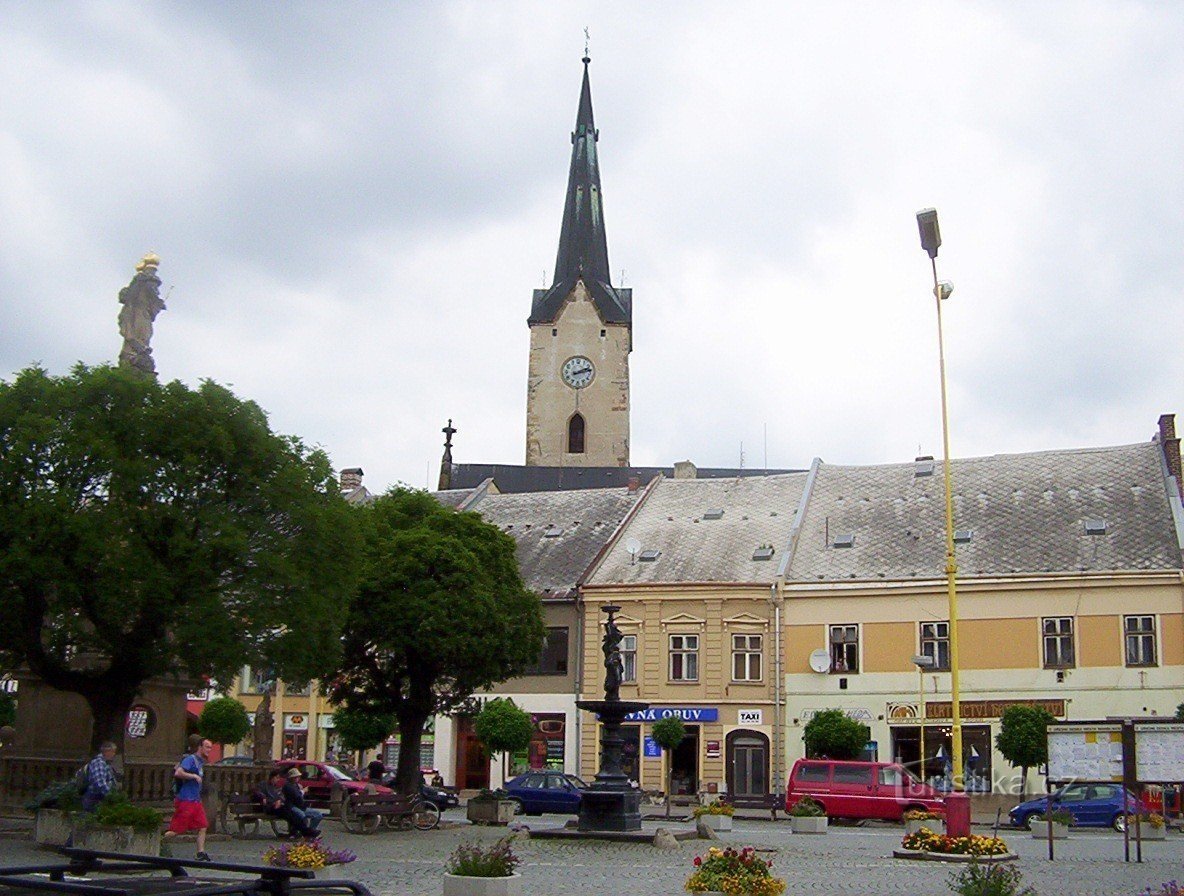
<point>269,795</point>
<point>294,797</point>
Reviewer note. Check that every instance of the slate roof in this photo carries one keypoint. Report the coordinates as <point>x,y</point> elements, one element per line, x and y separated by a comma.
<point>515,478</point>
<point>757,511</point>
<point>1026,513</point>
<point>581,522</point>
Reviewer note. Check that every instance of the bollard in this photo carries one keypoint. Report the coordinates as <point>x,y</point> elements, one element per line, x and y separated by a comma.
<point>957,814</point>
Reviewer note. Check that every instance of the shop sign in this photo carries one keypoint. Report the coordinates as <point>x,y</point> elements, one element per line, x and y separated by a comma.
<point>713,749</point>
<point>652,750</point>
<point>989,709</point>
<point>295,721</point>
<point>858,713</point>
<point>686,713</point>
<point>750,716</point>
<point>141,721</point>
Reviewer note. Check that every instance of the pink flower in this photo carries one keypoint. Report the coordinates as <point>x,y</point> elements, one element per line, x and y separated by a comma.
<point>698,861</point>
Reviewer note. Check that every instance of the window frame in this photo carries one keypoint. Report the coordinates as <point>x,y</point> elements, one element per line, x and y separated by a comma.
<point>1141,635</point>
<point>748,655</point>
<point>688,655</point>
<point>1059,638</point>
<point>848,663</point>
<point>629,659</point>
<point>539,668</point>
<point>935,642</point>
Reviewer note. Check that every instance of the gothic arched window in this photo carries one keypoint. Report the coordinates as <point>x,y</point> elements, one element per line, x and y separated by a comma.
<point>575,434</point>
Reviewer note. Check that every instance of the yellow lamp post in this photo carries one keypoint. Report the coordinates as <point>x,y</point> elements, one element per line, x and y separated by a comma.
<point>957,803</point>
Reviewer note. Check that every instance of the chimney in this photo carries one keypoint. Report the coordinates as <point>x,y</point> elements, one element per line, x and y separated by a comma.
<point>684,469</point>
<point>351,479</point>
<point>634,484</point>
<point>1170,445</point>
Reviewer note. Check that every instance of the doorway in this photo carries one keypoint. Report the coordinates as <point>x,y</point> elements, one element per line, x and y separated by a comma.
<point>748,764</point>
<point>684,764</point>
<point>295,745</point>
<point>472,762</point>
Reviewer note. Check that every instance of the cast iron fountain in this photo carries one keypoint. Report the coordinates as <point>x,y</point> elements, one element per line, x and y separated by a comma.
<point>613,803</point>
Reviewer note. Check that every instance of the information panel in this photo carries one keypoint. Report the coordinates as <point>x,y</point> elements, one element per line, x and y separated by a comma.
<point>1159,752</point>
<point>1089,752</point>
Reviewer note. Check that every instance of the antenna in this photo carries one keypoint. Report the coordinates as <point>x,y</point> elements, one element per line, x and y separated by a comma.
<point>741,455</point>
<point>632,545</point>
<point>766,445</point>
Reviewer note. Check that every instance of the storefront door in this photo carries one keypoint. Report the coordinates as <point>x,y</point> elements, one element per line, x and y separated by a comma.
<point>684,764</point>
<point>472,762</point>
<point>748,764</point>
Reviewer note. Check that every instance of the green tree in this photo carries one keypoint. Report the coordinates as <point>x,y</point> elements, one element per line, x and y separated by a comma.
<point>668,733</point>
<point>358,730</point>
<point>1180,712</point>
<point>1023,738</point>
<point>441,612</point>
<point>503,728</point>
<point>7,709</point>
<point>834,734</point>
<point>224,721</point>
<point>150,529</point>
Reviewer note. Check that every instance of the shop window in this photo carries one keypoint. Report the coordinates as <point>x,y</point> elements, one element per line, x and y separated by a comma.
<point>629,658</point>
<point>844,648</point>
<point>746,657</point>
<point>1140,640</point>
<point>553,659</point>
<point>1058,642</point>
<point>684,657</point>
<point>935,644</point>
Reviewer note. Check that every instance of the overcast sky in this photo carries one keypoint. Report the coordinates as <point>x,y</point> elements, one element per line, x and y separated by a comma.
<point>352,203</point>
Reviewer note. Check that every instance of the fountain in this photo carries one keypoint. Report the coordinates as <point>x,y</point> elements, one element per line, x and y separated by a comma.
<point>613,803</point>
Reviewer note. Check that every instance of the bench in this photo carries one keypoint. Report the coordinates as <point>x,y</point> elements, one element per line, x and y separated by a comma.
<point>246,814</point>
<point>362,813</point>
<point>771,801</point>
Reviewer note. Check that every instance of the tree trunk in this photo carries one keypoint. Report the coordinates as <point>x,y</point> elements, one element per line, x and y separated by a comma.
<point>109,711</point>
<point>669,781</point>
<point>408,775</point>
<point>1023,783</point>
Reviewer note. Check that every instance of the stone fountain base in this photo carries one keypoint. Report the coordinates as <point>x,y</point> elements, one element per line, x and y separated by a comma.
<point>610,810</point>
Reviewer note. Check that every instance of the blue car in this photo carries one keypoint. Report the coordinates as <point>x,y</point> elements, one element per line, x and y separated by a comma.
<point>1091,805</point>
<point>546,791</point>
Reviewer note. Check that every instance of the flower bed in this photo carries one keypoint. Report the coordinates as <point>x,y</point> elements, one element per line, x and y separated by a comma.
<point>715,807</point>
<point>311,854</point>
<point>926,840</point>
<point>734,872</point>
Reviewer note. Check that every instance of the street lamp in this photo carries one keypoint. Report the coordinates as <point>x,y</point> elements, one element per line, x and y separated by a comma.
<point>922,662</point>
<point>931,242</point>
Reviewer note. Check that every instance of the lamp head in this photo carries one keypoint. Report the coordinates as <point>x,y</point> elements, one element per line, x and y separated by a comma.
<point>930,232</point>
<point>944,289</point>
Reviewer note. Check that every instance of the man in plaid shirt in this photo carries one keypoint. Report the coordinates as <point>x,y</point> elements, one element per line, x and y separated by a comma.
<point>100,777</point>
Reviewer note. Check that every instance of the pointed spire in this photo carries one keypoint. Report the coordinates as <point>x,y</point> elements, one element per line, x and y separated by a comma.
<point>583,244</point>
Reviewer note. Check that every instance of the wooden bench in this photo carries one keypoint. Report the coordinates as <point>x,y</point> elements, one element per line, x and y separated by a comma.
<point>246,814</point>
<point>771,801</point>
<point>362,813</point>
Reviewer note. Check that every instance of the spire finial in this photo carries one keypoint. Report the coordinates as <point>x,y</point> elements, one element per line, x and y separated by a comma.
<point>586,58</point>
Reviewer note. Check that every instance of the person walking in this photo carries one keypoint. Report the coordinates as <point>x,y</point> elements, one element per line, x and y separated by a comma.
<point>188,812</point>
<point>101,777</point>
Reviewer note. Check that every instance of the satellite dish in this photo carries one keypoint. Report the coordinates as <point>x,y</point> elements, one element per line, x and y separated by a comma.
<point>820,660</point>
<point>633,546</point>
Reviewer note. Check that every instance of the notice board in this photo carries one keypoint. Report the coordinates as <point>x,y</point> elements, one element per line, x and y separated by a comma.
<point>1159,752</point>
<point>1085,752</point>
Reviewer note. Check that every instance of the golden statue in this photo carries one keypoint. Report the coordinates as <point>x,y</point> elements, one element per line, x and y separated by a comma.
<point>141,303</point>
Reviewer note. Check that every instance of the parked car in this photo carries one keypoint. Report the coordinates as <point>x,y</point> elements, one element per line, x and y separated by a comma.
<point>440,797</point>
<point>235,760</point>
<point>317,779</point>
<point>860,789</point>
<point>1091,805</point>
<point>546,791</point>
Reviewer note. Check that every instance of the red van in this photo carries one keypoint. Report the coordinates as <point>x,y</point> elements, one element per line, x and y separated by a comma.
<point>860,789</point>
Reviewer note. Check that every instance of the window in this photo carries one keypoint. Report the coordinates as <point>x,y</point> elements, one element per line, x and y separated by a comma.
<point>1140,640</point>
<point>257,681</point>
<point>1058,642</point>
<point>814,771</point>
<point>935,643</point>
<point>575,434</point>
<point>844,648</point>
<point>853,774</point>
<point>553,660</point>
<point>684,657</point>
<point>629,658</point>
<point>746,657</point>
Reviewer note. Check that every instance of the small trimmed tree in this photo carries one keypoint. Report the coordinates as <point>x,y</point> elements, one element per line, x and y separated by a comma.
<point>359,730</point>
<point>224,721</point>
<point>1023,738</point>
<point>668,733</point>
<point>835,735</point>
<point>503,728</point>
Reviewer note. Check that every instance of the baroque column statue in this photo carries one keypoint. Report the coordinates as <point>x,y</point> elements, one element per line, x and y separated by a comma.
<point>141,303</point>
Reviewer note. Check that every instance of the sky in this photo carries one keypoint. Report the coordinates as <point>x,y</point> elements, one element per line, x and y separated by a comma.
<point>352,203</point>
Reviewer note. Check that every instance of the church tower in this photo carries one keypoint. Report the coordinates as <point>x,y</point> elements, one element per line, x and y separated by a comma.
<point>581,330</point>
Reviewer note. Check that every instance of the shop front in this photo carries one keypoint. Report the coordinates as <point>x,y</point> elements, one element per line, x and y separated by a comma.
<point>295,738</point>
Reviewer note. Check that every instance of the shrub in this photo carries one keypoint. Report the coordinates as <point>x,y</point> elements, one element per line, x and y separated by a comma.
<point>922,815</point>
<point>833,733</point>
<point>117,810</point>
<point>715,807</point>
<point>62,795</point>
<point>988,880</point>
<point>807,808</point>
<point>1151,819</point>
<point>1169,888</point>
<point>1061,816</point>
<point>735,872</point>
<point>475,860</point>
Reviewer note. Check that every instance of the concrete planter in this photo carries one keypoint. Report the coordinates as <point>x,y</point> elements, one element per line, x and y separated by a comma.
<point>937,825</point>
<point>112,838</point>
<point>490,811</point>
<point>459,885</point>
<point>1147,832</point>
<point>716,822</point>
<point>808,825</point>
<point>1040,830</point>
<point>52,827</point>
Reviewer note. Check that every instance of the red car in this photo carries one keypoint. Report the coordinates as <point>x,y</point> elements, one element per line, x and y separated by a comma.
<point>860,789</point>
<point>317,779</point>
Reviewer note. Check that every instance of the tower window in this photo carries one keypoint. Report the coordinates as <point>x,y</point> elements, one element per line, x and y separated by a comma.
<point>554,331</point>
<point>575,434</point>
<point>603,333</point>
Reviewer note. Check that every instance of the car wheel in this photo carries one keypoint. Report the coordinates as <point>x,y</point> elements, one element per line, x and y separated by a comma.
<point>1119,822</point>
<point>1026,821</point>
<point>519,809</point>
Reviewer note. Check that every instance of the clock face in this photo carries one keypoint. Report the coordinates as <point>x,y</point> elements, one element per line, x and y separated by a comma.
<point>578,372</point>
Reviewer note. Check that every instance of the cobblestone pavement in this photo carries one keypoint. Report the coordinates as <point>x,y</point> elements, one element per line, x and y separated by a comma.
<point>845,860</point>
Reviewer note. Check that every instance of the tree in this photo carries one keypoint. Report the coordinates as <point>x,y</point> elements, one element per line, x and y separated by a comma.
<point>668,733</point>
<point>1180,712</point>
<point>503,728</point>
<point>1023,738</point>
<point>835,735</point>
<point>224,721</point>
<point>7,709</point>
<point>358,730</point>
<point>150,529</point>
<point>441,612</point>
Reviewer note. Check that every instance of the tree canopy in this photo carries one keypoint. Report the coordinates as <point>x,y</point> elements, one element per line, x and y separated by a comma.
<point>503,728</point>
<point>224,721</point>
<point>358,730</point>
<point>834,734</point>
<point>150,529</point>
<point>1023,738</point>
<point>441,612</point>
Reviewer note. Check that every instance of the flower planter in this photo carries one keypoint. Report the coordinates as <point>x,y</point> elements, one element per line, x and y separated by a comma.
<point>51,827</point>
<point>716,822</point>
<point>937,825</point>
<point>1147,832</point>
<point>1040,830</point>
<point>490,811</point>
<point>807,824</point>
<point>113,838</point>
<point>460,885</point>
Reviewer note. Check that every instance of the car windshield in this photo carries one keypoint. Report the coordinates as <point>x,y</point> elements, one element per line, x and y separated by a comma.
<point>572,779</point>
<point>338,773</point>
